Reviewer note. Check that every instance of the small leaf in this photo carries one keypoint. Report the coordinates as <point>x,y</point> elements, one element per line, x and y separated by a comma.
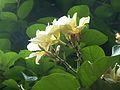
<point>8,16</point>
<point>9,59</point>
<point>25,9</point>
<point>93,37</point>
<point>3,2</point>
<point>57,81</point>
<point>90,72</point>
<point>11,83</point>
<point>92,53</point>
<point>31,31</point>
<point>82,10</point>
<point>14,73</point>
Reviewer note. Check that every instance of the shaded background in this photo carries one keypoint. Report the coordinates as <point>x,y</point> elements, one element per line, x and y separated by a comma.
<point>105,17</point>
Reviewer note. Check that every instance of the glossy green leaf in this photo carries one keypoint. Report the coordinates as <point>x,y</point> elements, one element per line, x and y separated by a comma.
<point>25,9</point>
<point>92,53</point>
<point>14,73</point>
<point>93,37</point>
<point>31,31</point>
<point>9,59</point>
<point>11,84</point>
<point>3,2</point>
<point>8,16</point>
<point>82,10</point>
<point>57,81</point>
<point>90,72</point>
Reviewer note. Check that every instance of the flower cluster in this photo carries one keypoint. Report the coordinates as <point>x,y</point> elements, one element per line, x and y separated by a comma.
<point>113,75</point>
<point>44,39</point>
<point>117,38</point>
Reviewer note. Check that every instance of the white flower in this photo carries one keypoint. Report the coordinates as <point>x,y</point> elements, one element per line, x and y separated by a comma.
<point>113,75</point>
<point>117,38</point>
<point>83,21</point>
<point>43,40</point>
<point>33,47</point>
<point>68,26</point>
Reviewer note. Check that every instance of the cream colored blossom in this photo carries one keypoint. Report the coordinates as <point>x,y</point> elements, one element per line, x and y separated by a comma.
<point>40,44</point>
<point>68,26</point>
<point>113,75</point>
<point>117,38</point>
<point>44,39</point>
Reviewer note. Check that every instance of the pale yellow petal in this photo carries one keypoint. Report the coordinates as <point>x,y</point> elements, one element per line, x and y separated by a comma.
<point>31,55</point>
<point>84,21</point>
<point>33,47</point>
<point>38,56</point>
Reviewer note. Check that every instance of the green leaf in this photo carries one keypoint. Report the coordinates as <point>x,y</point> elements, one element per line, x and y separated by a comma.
<point>41,69</point>
<point>90,72</point>
<point>5,44</point>
<point>3,2</point>
<point>8,26</point>
<point>116,5</point>
<point>103,27</point>
<point>14,73</point>
<point>104,11</point>
<point>8,16</point>
<point>93,37</point>
<point>57,81</point>
<point>56,70</point>
<point>25,9</point>
<point>9,59</point>
<point>92,53</point>
<point>11,84</point>
<point>82,10</point>
<point>46,20</point>
<point>31,31</point>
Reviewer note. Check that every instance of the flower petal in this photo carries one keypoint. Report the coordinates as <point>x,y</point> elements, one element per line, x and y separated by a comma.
<point>83,21</point>
<point>31,55</point>
<point>39,55</point>
<point>33,47</point>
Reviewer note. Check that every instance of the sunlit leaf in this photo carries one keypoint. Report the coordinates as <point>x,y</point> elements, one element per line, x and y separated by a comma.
<point>92,53</point>
<point>25,9</point>
<point>93,37</point>
<point>57,81</point>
